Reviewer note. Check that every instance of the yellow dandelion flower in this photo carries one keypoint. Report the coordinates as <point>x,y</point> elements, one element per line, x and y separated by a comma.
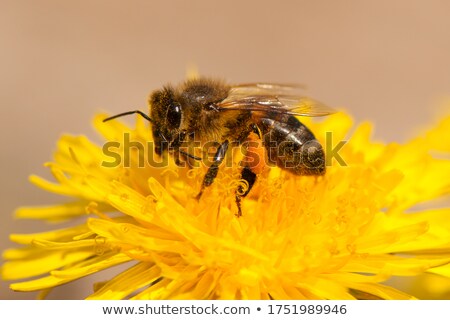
<point>338,236</point>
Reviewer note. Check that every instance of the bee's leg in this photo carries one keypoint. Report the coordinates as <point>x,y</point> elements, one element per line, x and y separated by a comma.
<point>183,159</point>
<point>214,168</point>
<point>249,171</point>
<point>250,177</point>
<point>179,159</point>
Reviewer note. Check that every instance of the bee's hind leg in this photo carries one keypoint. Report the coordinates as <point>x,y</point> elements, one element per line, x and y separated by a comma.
<point>214,168</point>
<point>250,177</point>
<point>249,168</point>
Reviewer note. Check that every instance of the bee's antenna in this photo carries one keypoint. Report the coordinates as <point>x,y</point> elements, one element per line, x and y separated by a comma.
<point>143,115</point>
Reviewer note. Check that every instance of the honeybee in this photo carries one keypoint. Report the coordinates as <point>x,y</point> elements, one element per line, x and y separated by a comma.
<point>205,109</point>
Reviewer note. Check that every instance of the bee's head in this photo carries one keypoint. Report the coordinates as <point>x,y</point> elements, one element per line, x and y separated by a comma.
<point>166,114</point>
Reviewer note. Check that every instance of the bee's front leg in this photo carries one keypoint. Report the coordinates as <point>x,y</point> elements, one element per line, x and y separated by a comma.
<point>214,168</point>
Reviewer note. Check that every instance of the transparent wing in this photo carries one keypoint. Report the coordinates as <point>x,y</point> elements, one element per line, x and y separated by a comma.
<point>266,88</point>
<point>266,97</point>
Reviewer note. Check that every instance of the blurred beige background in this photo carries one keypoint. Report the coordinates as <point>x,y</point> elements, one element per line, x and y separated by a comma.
<point>61,61</point>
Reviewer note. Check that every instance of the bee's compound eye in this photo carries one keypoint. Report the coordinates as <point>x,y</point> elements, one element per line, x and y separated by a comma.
<point>174,116</point>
